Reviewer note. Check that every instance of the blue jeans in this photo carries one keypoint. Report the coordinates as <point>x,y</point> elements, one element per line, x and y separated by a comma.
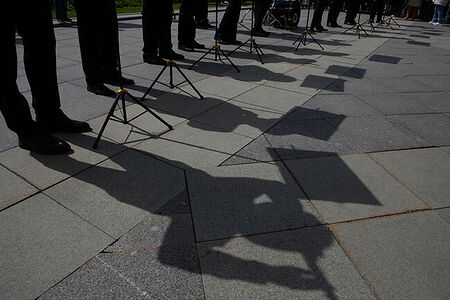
<point>438,13</point>
<point>447,18</point>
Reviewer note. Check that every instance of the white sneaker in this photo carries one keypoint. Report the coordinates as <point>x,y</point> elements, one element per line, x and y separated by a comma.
<point>436,23</point>
<point>431,22</point>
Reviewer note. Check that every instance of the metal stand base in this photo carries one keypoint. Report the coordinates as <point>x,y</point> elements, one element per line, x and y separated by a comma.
<point>121,93</point>
<point>218,53</point>
<point>171,64</point>
<point>370,22</point>
<point>386,22</point>
<point>253,46</point>
<point>302,40</point>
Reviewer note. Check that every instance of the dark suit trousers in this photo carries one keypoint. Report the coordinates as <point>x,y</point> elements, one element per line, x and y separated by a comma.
<point>261,7</point>
<point>352,9</point>
<point>377,8</point>
<point>97,32</point>
<point>228,26</point>
<point>318,12</point>
<point>186,24</point>
<point>201,11</point>
<point>335,9</point>
<point>33,22</point>
<point>156,24</point>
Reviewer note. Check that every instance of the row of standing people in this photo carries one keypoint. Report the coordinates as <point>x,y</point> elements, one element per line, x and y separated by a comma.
<point>99,48</point>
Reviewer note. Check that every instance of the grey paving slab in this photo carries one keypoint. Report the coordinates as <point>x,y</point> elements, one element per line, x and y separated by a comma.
<point>438,82</point>
<point>156,231</point>
<point>44,170</point>
<point>258,150</point>
<point>207,137</point>
<point>70,72</point>
<point>13,188</point>
<point>275,99</point>
<point>354,86</point>
<point>42,242</point>
<point>433,127</point>
<point>403,257</point>
<point>309,138</point>
<point>119,193</point>
<point>404,84</point>
<point>408,103</point>
<point>181,154</point>
<point>351,187</point>
<point>241,118</point>
<point>8,139</point>
<point>168,273</point>
<point>446,149</point>
<point>224,87</point>
<point>246,199</point>
<point>347,105</point>
<point>300,264</point>
<point>444,214</point>
<point>377,134</point>
<point>425,171</point>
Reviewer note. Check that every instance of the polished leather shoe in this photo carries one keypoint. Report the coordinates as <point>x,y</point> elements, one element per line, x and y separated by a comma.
<point>315,29</point>
<point>229,42</point>
<point>155,60</point>
<point>334,25</point>
<point>101,89</point>
<point>196,45</point>
<point>321,28</point>
<point>187,48</point>
<point>170,54</point>
<point>205,25</point>
<point>61,123</point>
<point>260,32</point>
<point>116,80</point>
<point>43,143</point>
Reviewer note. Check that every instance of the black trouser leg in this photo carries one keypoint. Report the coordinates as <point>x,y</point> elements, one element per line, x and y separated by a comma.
<point>380,9</point>
<point>156,24</point>
<point>352,10</point>
<point>109,46</point>
<point>186,25</point>
<point>61,9</point>
<point>35,26</point>
<point>318,12</point>
<point>228,26</point>
<point>261,7</point>
<point>335,9</point>
<point>201,11</point>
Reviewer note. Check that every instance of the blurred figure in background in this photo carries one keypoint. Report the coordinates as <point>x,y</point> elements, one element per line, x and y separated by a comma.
<point>412,6</point>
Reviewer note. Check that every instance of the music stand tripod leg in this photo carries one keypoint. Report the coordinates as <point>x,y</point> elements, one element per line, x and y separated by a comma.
<point>108,116</point>
<point>315,41</point>
<point>188,81</point>
<point>154,82</point>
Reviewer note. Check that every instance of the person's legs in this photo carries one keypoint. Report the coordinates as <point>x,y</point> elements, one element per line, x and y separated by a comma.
<point>108,35</point>
<point>447,17</point>
<point>61,10</point>
<point>435,14</point>
<point>333,13</point>
<point>380,9</point>
<point>440,13</point>
<point>261,7</point>
<point>186,24</point>
<point>318,12</point>
<point>201,12</point>
<point>36,28</point>
<point>228,26</point>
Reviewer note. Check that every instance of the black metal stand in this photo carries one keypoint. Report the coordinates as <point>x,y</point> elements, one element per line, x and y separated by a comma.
<point>387,22</point>
<point>216,47</point>
<point>120,97</point>
<point>370,22</point>
<point>171,64</point>
<point>303,37</point>
<point>357,27</point>
<point>241,22</point>
<point>251,41</point>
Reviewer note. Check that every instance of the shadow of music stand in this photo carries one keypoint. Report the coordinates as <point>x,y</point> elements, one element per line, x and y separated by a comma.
<point>303,37</point>
<point>218,52</point>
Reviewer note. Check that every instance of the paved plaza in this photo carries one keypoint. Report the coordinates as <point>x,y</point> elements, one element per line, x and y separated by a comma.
<point>320,174</point>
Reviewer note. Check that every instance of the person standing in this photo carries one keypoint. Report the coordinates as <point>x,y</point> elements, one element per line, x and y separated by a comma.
<point>156,31</point>
<point>377,8</point>
<point>261,8</point>
<point>201,15</point>
<point>34,24</point>
<point>186,27</point>
<point>227,31</point>
<point>352,11</point>
<point>99,45</point>
<point>316,22</point>
<point>61,11</point>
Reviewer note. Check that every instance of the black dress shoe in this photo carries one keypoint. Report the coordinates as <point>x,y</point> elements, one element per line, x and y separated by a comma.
<point>260,32</point>
<point>196,45</point>
<point>170,54</point>
<point>116,80</point>
<point>187,48</point>
<point>155,60</point>
<point>101,89</point>
<point>334,25</point>
<point>204,25</point>
<point>229,42</point>
<point>315,29</point>
<point>61,123</point>
<point>351,22</point>
<point>43,143</point>
<point>320,27</point>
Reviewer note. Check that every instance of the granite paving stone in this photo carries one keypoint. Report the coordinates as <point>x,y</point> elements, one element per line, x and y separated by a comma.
<point>347,105</point>
<point>404,84</point>
<point>432,127</point>
<point>42,242</point>
<point>167,273</point>
<point>403,257</point>
<point>44,170</point>
<point>246,199</point>
<point>225,87</point>
<point>13,188</point>
<point>119,193</point>
<point>377,134</point>
<point>444,214</point>
<point>306,263</point>
<point>438,82</point>
<point>424,171</point>
<point>8,139</point>
<point>344,188</point>
<point>258,150</point>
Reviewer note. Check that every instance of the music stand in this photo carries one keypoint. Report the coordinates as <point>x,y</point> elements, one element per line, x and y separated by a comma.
<point>216,47</point>
<point>358,27</point>
<point>171,64</point>
<point>251,41</point>
<point>120,97</point>
<point>302,38</point>
<point>370,22</point>
<point>387,22</point>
